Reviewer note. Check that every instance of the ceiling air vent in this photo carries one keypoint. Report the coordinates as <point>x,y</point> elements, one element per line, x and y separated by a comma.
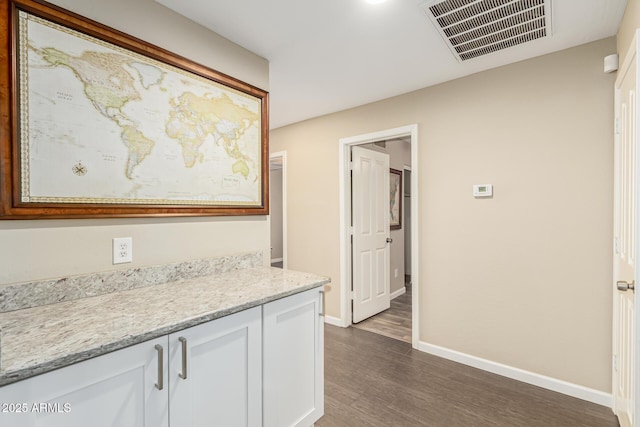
<point>474,28</point>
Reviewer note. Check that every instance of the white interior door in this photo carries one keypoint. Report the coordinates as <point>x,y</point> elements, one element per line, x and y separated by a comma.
<point>370,222</point>
<point>625,251</point>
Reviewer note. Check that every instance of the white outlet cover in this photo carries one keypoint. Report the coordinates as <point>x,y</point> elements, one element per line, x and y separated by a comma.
<point>122,250</point>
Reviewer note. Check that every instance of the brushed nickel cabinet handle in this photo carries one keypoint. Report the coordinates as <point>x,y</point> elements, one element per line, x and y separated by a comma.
<point>321,313</point>
<point>183,374</point>
<point>160,384</point>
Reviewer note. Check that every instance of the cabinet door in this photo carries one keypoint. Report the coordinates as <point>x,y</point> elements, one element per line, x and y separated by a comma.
<point>293,333</point>
<point>116,389</point>
<point>220,382</point>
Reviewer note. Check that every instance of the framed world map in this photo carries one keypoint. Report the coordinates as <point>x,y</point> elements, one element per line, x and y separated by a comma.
<point>103,124</point>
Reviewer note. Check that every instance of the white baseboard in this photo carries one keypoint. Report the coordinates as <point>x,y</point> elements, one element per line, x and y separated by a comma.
<point>396,294</point>
<point>335,321</point>
<point>564,387</point>
<point>276,260</point>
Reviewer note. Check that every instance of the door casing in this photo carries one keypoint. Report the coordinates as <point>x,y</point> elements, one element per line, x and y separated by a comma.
<point>344,147</point>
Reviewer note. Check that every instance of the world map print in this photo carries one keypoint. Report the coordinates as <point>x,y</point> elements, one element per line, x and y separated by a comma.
<point>102,124</point>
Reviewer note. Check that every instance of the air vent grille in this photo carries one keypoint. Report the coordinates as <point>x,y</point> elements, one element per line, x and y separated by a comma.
<point>474,28</point>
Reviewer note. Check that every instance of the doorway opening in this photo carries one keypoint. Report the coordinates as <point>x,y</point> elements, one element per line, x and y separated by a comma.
<point>277,208</point>
<point>406,298</point>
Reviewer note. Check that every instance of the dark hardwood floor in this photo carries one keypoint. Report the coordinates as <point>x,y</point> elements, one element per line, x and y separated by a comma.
<point>373,380</point>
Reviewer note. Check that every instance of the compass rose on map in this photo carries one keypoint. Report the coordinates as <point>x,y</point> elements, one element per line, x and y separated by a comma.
<point>79,169</point>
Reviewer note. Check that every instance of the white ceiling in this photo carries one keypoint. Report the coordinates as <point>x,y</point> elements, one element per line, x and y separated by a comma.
<point>330,55</point>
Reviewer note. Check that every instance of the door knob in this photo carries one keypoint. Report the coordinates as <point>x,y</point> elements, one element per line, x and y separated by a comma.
<point>389,240</point>
<point>624,286</point>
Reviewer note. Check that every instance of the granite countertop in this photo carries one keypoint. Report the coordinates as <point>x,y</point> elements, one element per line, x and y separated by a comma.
<point>40,339</point>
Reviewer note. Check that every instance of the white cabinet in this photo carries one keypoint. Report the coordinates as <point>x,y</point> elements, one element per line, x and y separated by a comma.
<point>116,389</point>
<point>261,366</point>
<point>293,353</point>
<point>215,372</point>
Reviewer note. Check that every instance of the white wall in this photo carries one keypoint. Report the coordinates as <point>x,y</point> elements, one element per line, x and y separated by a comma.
<point>523,279</point>
<point>37,249</point>
<point>630,23</point>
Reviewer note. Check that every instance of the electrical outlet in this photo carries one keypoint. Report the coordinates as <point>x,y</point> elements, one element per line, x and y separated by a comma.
<point>395,273</point>
<point>122,250</point>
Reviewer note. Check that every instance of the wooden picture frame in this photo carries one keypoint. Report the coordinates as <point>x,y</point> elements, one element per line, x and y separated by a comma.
<point>129,108</point>
<point>395,199</point>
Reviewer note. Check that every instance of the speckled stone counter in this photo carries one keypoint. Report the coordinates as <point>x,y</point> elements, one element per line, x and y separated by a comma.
<point>39,339</point>
<point>16,296</point>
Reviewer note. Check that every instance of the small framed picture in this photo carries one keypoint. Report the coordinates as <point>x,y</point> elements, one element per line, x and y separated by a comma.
<point>395,199</point>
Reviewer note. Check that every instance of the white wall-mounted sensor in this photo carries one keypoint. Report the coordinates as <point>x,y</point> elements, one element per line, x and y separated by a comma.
<point>483,190</point>
<point>611,63</point>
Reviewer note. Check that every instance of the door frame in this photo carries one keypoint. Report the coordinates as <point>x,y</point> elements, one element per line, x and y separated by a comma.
<point>283,156</point>
<point>344,146</point>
